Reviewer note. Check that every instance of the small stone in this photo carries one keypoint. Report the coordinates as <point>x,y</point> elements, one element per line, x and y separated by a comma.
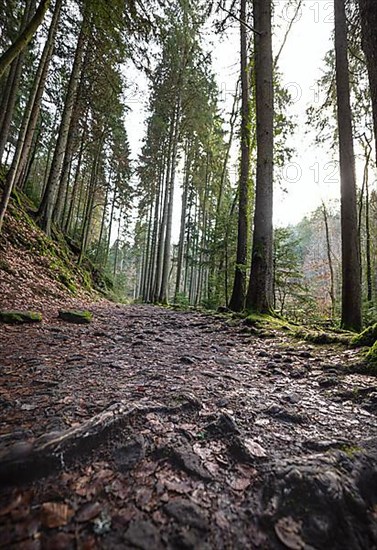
<point>246,449</point>
<point>187,360</point>
<point>144,535</point>
<point>185,457</point>
<point>291,398</point>
<point>127,456</point>
<point>187,513</point>
<point>327,382</point>
<point>81,317</point>
<point>224,425</point>
<point>281,413</point>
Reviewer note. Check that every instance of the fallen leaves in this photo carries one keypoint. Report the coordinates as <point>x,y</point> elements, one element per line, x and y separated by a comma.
<point>288,532</point>
<point>55,514</point>
<point>187,456</point>
<point>89,511</point>
<point>254,448</point>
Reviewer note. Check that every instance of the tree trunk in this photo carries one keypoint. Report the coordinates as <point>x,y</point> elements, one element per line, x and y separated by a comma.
<point>90,198</point>
<point>260,292</point>
<point>34,114</point>
<point>163,298</point>
<point>117,245</point>
<point>10,98</point>
<point>48,201</point>
<point>237,300</point>
<point>68,221</point>
<point>368,16</point>
<point>152,264</point>
<point>24,38</point>
<point>97,258</point>
<point>30,118</point>
<point>161,237</point>
<point>57,214</point>
<point>329,259</point>
<point>351,279</point>
<point>111,224</point>
<point>181,242</point>
<point>13,81</point>
<point>148,254</point>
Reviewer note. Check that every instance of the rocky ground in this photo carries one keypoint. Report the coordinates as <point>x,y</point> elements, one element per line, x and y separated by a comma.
<point>152,428</point>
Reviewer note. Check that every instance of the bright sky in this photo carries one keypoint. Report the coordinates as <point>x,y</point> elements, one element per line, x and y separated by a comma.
<point>311,174</point>
<point>308,41</point>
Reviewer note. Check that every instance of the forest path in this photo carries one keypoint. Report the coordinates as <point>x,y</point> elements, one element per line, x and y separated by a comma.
<point>221,427</point>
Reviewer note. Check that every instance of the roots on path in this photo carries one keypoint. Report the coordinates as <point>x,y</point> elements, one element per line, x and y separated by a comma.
<point>152,429</point>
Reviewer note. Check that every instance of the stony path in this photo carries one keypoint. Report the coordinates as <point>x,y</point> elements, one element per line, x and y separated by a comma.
<point>276,448</point>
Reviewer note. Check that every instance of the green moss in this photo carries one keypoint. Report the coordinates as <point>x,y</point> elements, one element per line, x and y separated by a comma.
<point>366,338</point>
<point>20,317</point>
<point>350,450</point>
<point>5,267</point>
<point>81,317</point>
<point>371,359</point>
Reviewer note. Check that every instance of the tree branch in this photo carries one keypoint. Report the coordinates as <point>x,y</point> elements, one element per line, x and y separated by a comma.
<point>24,38</point>
<point>246,25</point>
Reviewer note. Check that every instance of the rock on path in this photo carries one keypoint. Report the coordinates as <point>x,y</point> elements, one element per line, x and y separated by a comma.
<point>277,451</point>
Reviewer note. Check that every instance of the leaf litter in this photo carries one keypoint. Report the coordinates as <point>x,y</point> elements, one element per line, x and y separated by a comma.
<point>239,448</point>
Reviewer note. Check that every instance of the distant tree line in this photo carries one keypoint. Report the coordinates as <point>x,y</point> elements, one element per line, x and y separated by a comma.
<point>64,143</point>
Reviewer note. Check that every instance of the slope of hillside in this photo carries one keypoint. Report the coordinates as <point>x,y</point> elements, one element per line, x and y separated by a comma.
<point>35,271</point>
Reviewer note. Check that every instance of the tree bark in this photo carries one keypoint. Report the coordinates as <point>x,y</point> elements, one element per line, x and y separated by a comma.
<point>368,16</point>
<point>260,292</point>
<point>30,118</point>
<point>162,232</point>
<point>163,297</point>
<point>351,275</point>
<point>24,38</point>
<point>13,81</point>
<point>237,300</point>
<point>48,200</point>
<point>181,242</point>
<point>329,259</point>
<point>10,97</point>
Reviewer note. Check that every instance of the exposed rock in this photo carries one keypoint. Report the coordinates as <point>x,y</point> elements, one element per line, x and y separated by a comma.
<point>187,513</point>
<point>144,535</point>
<point>223,309</point>
<point>81,317</point>
<point>20,317</point>
<point>185,458</point>
<point>225,424</point>
<point>127,456</point>
<point>366,338</point>
<point>338,490</point>
<point>246,449</point>
<point>284,414</point>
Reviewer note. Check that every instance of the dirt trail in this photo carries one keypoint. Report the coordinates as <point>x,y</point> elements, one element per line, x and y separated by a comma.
<point>226,439</point>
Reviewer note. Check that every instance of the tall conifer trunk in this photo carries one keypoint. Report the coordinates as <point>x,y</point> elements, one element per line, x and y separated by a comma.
<point>368,16</point>
<point>351,275</point>
<point>30,118</point>
<point>49,197</point>
<point>260,293</point>
<point>237,299</point>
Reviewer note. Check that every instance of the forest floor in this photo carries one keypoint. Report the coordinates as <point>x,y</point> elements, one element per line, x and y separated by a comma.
<point>152,428</point>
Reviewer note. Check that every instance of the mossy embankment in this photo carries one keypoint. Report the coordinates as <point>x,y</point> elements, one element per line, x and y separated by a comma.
<point>266,326</point>
<point>34,267</point>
